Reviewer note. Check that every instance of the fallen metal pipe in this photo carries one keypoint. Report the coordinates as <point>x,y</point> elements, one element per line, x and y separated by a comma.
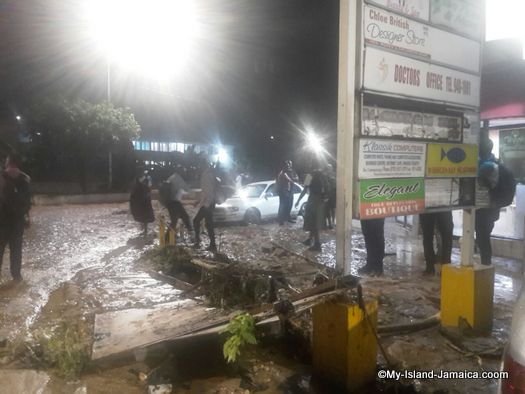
<point>411,327</point>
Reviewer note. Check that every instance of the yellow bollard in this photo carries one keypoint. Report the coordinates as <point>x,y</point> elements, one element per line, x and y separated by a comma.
<point>172,237</point>
<point>467,294</point>
<point>344,344</point>
<point>162,232</point>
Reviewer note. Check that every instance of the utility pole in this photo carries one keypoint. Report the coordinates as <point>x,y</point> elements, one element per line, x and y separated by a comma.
<point>348,16</point>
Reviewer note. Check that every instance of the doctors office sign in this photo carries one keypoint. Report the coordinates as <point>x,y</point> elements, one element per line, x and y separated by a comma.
<point>379,198</point>
<point>391,159</point>
<point>390,73</point>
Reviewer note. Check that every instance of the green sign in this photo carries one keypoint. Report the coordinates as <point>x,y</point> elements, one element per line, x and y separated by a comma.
<point>390,197</point>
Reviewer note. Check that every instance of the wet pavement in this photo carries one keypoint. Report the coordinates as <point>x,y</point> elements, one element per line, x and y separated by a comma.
<point>81,260</point>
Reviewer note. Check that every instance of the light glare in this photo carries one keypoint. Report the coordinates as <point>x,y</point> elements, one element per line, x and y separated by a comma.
<point>153,37</point>
<point>314,143</point>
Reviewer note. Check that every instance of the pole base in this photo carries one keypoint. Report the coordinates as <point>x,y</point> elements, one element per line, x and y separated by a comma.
<point>467,294</point>
<point>344,344</point>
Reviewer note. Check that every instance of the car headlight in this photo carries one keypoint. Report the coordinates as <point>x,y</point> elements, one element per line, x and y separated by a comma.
<point>233,209</point>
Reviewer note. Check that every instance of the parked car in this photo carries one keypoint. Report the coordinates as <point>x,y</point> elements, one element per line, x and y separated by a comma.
<point>255,202</point>
<point>514,355</point>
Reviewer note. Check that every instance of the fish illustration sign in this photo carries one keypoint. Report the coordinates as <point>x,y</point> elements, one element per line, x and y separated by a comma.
<point>380,198</point>
<point>452,160</point>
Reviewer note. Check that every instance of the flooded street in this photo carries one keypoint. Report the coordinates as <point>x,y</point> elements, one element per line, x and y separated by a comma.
<point>85,259</point>
<point>92,246</point>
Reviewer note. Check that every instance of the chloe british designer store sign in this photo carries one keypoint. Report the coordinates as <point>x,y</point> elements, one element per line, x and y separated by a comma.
<point>396,32</point>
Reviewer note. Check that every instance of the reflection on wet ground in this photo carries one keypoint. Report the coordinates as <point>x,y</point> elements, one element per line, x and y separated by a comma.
<point>87,254</point>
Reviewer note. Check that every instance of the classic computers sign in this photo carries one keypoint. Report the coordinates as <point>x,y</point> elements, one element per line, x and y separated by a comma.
<point>452,160</point>
<point>380,198</point>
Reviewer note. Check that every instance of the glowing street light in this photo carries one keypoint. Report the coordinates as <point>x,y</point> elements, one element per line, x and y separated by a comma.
<point>314,143</point>
<point>151,37</point>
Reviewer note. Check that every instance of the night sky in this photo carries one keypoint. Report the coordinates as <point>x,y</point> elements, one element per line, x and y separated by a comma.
<point>264,68</point>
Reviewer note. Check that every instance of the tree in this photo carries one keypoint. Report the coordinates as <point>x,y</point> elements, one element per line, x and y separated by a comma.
<point>73,139</point>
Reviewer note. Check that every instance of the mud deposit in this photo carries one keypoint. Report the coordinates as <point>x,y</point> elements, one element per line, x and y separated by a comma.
<point>80,261</point>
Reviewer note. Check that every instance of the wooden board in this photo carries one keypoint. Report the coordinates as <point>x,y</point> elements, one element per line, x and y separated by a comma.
<point>120,333</point>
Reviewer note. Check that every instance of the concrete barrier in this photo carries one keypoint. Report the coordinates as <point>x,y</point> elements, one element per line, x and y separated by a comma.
<point>49,199</point>
<point>98,198</point>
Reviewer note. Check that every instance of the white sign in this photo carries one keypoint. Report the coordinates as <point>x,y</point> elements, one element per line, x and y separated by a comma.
<point>402,34</point>
<point>482,196</point>
<point>385,122</point>
<point>414,8</point>
<point>390,73</point>
<point>471,127</point>
<point>465,16</point>
<point>441,192</point>
<point>391,159</point>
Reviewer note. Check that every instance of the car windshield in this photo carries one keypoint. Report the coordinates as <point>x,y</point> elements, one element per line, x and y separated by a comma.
<point>251,191</point>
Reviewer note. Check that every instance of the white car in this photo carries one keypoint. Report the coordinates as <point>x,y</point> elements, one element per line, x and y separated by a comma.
<point>255,202</point>
<point>514,354</point>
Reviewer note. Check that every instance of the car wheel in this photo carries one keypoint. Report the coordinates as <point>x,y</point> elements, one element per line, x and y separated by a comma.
<point>252,215</point>
<point>302,210</point>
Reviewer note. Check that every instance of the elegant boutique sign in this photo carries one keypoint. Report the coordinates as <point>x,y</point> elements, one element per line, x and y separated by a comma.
<point>390,197</point>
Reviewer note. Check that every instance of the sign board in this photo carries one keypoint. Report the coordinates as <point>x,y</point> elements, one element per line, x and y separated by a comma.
<point>452,160</point>
<point>512,151</point>
<point>482,196</point>
<point>471,127</point>
<point>385,122</point>
<point>451,192</point>
<point>390,73</point>
<point>406,35</point>
<point>414,8</point>
<point>441,192</point>
<point>464,16</point>
<point>380,198</point>
<point>391,159</point>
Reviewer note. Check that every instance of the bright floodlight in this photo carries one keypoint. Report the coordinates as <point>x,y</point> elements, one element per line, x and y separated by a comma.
<point>223,155</point>
<point>153,37</point>
<point>314,143</point>
<point>18,117</point>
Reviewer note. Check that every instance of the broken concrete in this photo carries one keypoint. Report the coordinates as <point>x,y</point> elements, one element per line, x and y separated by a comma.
<point>24,381</point>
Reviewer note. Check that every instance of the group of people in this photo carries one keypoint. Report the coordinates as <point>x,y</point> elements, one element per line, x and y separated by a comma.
<point>170,193</point>
<point>320,210</point>
<point>320,207</point>
<point>15,203</point>
<point>501,186</point>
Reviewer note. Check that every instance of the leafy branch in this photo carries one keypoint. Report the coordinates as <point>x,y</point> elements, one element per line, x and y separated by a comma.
<point>241,330</point>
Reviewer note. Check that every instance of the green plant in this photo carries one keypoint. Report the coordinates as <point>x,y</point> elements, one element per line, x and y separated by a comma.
<point>241,330</point>
<point>66,349</point>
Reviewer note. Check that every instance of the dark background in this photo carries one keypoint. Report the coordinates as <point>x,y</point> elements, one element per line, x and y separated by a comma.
<point>265,68</point>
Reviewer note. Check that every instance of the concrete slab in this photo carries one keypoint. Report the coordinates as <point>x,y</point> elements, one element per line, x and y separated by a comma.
<point>24,381</point>
<point>131,331</point>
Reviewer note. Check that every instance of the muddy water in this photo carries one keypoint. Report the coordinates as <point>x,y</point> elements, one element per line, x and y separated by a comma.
<point>81,259</point>
<point>94,246</point>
